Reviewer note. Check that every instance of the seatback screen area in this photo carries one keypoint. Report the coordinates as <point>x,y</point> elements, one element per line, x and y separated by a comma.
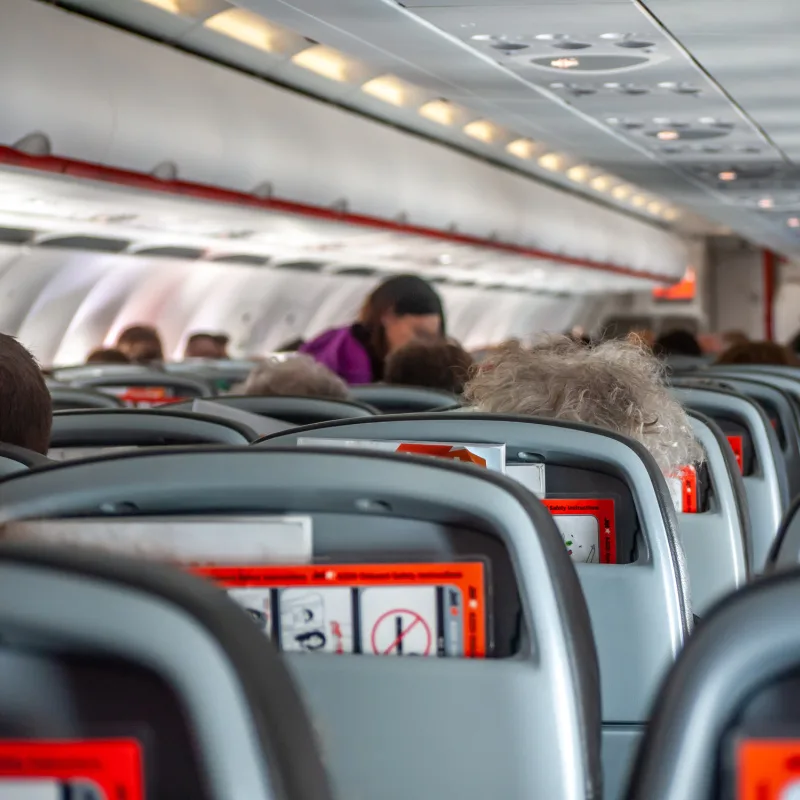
<point>434,610</point>
<point>107,769</point>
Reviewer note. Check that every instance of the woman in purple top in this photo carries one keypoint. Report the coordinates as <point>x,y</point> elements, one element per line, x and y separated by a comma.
<point>401,308</point>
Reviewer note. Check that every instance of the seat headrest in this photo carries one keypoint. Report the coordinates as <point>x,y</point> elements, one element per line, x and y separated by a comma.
<point>171,664</point>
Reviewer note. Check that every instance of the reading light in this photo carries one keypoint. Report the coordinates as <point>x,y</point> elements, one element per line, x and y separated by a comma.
<point>622,192</point>
<point>521,148</point>
<point>579,174</point>
<point>551,161</point>
<point>654,207</point>
<point>440,111</point>
<point>671,214</point>
<point>387,88</point>
<point>602,183</point>
<point>565,63</point>
<point>793,222</point>
<point>246,27</point>
<point>482,130</point>
<point>766,202</point>
<point>668,136</point>
<point>639,201</point>
<point>324,61</point>
<point>165,5</point>
<point>728,175</point>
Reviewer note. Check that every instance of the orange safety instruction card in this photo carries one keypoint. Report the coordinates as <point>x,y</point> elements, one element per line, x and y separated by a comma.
<point>432,609</point>
<point>768,769</point>
<point>143,396</point>
<point>737,445</point>
<point>106,769</point>
<point>587,527</point>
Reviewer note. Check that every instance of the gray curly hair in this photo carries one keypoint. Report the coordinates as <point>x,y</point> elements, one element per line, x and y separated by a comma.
<point>618,385</point>
<point>299,376</point>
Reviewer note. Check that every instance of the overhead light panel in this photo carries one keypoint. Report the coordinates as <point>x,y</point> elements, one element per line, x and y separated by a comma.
<point>602,183</point>
<point>388,89</point>
<point>565,63</point>
<point>727,175</point>
<point>579,174</point>
<point>639,201</point>
<point>439,111</point>
<point>793,222</point>
<point>766,202</point>
<point>521,148</point>
<point>671,214</point>
<point>172,6</point>
<point>668,136</point>
<point>655,207</point>
<point>248,28</point>
<point>622,192</point>
<point>324,61</point>
<point>552,162</point>
<point>482,130</point>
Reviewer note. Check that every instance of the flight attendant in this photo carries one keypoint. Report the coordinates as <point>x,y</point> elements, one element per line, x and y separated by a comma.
<point>400,309</point>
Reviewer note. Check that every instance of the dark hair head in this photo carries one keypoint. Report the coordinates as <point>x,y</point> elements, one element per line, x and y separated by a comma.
<point>677,343</point>
<point>759,353</point>
<point>108,355</point>
<point>404,295</point>
<point>434,365</point>
<point>26,410</point>
<point>206,345</point>
<point>141,343</point>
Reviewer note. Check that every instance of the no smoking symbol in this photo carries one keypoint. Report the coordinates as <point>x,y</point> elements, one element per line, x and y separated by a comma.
<point>401,632</point>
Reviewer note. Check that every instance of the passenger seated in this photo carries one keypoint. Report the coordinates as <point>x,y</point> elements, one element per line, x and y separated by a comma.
<point>299,376</point>
<point>759,353</point>
<point>26,410</point>
<point>207,345</point>
<point>618,385</point>
<point>433,365</point>
<point>107,355</point>
<point>141,344</point>
<point>677,343</point>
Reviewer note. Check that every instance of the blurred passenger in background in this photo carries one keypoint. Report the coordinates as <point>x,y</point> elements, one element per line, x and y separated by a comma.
<point>207,345</point>
<point>26,410</point>
<point>107,355</point>
<point>716,343</point>
<point>677,343</point>
<point>433,365</point>
<point>401,308</point>
<point>618,385</point>
<point>292,346</point>
<point>794,344</point>
<point>299,376</point>
<point>759,353</point>
<point>141,344</point>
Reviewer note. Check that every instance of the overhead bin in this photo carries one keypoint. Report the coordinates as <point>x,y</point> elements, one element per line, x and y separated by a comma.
<point>153,105</point>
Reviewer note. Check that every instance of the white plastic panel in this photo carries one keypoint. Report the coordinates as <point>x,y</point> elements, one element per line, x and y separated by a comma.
<point>63,304</point>
<point>150,103</point>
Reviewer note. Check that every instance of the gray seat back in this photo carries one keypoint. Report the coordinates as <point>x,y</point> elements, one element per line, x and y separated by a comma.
<point>14,459</point>
<point>779,396</point>
<point>715,538</point>
<point>69,398</point>
<point>132,427</point>
<point>172,675</point>
<point>641,612</point>
<point>733,690</point>
<point>765,480</point>
<point>116,378</point>
<point>533,711</point>
<point>294,410</point>
<point>391,399</point>
<point>785,552</point>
